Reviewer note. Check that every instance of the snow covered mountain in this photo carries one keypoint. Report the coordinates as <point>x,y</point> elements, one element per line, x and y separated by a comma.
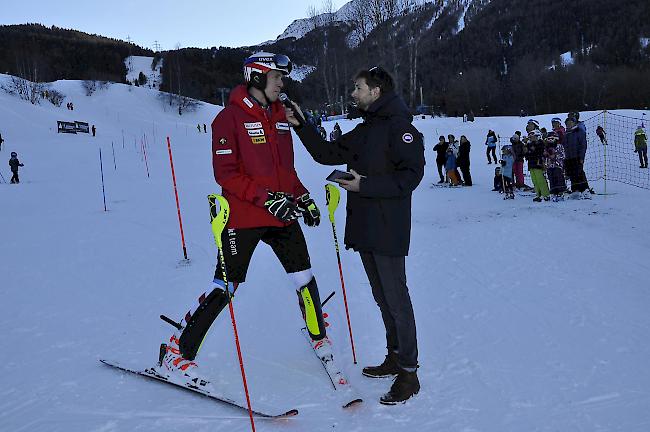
<point>531,317</point>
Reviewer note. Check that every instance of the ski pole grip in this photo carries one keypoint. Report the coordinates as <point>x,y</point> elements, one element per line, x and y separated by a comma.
<point>219,214</point>
<point>332,196</point>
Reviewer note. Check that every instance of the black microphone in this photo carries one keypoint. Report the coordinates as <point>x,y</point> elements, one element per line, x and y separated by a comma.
<point>287,102</point>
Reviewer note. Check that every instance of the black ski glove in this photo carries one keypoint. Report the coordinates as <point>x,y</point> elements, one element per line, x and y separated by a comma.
<point>310,212</point>
<point>282,206</point>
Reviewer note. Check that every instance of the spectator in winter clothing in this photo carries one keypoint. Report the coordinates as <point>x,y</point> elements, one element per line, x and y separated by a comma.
<point>556,122</point>
<point>336,132</point>
<point>491,143</point>
<point>554,163</point>
<point>14,163</point>
<point>322,132</point>
<point>385,154</point>
<point>641,146</point>
<point>575,148</point>
<point>451,165</point>
<point>532,125</point>
<point>518,165</point>
<point>441,156</point>
<point>507,161</point>
<point>463,160</point>
<point>534,151</point>
<point>93,130</point>
<point>601,134</point>
<point>498,180</point>
<point>1,141</point>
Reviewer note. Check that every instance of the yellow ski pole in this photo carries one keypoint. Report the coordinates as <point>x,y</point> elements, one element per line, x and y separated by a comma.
<point>333,196</point>
<point>218,219</point>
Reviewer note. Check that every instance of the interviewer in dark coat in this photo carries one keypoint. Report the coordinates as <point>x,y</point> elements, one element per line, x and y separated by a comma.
<point>385,153</point>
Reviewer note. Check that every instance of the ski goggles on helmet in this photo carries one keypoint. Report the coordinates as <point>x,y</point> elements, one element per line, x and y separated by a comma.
<point>263,62</point>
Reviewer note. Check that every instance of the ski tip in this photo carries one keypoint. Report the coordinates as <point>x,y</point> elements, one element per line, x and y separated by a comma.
<point>353,403</point>
<point>290,413</point>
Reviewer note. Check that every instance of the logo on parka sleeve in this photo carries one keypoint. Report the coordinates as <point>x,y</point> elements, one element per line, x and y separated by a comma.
<point>407,138</point>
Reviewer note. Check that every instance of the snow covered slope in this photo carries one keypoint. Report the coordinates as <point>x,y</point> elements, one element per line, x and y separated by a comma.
<point>531,317</point>
<point>137,64</point>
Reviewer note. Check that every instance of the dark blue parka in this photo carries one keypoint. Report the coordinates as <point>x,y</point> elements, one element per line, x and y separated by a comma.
<point>388,151</point>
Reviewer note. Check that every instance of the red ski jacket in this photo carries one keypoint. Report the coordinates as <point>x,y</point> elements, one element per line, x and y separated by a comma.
<point>252,153</point>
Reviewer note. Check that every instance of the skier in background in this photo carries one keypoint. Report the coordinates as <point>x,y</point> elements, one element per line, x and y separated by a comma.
<point>252,154</point>
<point>94,130</point>
<point>641,146</point>
<point>14,163</point>
<point>1,141</point>
<point>205,130</point>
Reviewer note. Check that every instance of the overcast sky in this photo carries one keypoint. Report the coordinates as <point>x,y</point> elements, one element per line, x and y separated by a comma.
<point>190,23</point>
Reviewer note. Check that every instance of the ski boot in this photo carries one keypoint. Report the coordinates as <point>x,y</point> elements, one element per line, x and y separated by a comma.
<point>173,366</point>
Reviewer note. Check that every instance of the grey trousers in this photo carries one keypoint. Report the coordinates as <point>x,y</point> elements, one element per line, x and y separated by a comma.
<point>387,277</point>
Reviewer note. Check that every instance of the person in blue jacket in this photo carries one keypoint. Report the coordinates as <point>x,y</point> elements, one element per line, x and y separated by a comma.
<point>491,143</point>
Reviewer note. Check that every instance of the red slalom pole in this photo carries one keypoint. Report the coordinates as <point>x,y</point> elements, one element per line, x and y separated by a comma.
<point>178,207</point>
<point>146,163</point>
<point>219,219</point>
<point>239,355</point>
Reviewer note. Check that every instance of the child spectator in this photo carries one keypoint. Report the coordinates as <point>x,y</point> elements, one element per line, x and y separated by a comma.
<point>498,181</point>
<point>554,162</point>
<point>534,152</point>
<point>451,166</point>
<point>517,147</point>
<point>14,163</point>
<point>532,125</point>
<point>558,129</point>
<point>507,161</point>
<point>441,156</point>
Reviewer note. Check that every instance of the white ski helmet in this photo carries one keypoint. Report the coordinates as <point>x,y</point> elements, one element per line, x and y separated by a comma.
<point>259,64</point>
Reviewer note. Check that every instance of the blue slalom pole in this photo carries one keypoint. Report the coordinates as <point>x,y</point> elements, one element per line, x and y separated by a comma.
<point>101,168</point>
<point>114,164</point>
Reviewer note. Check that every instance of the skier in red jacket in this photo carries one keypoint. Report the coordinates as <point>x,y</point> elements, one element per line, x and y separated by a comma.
<point>252,156</point>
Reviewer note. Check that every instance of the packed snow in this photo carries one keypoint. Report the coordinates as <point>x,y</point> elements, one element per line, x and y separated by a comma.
<point>531,317</point>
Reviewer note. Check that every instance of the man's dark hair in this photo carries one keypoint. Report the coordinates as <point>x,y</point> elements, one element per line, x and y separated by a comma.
<point>377,77</point>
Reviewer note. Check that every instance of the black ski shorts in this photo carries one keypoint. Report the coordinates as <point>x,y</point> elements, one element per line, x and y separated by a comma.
<point>288,244</point>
